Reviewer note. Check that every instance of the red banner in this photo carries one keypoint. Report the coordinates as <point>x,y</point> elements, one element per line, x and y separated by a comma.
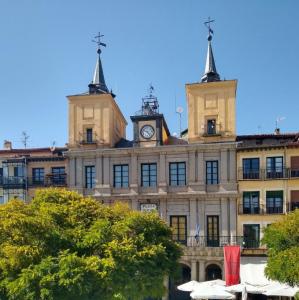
<point>232,264</point>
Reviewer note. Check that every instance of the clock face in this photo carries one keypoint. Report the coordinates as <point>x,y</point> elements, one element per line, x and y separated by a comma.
<point>147,131</point>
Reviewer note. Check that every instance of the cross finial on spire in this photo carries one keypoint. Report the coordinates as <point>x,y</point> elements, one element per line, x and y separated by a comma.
<point>97,40</point>
<point>210,31</point>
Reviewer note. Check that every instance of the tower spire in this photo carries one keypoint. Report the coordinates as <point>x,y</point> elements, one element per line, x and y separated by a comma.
<point>210,69</point>
<point>98,85</point>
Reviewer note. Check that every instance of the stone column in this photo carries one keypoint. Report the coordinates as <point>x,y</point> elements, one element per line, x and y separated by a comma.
<point>193,217</point>
<point>163,209</point>
<point>106,179</point>
<point>224,217</point>
<point>79,173</point>
<point>99,171</point>
<point>134,171</point>
<point>223,166</point>
<point>201,168</point>
<point>202,271</point>
<point>232,165</point>
<point>201,212</point>
<point>134,204</point>
<point>233,216</point>
<point>72,172</point>
<point>162,174</point>
<point>191,166</point>
<point>193,270</point>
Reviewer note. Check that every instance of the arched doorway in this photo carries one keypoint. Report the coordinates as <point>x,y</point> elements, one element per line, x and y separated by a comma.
<point>213,272</point>
<point>184,275</point>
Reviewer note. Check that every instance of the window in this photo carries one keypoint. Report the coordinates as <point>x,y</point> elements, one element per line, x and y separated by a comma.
<point>58,175</point>
<point>251,168</point>
<point>121,176</point>
<point>212,231</point>
<point>274,202</point>
<point>294,166</point>
<point>89,138</point>
<point>1,176</point>
<point>294,200</point>
<point>251,233</point>
<point>211,126</point>
<point>18,171</point>
<point>275,167</point>
<point>90,177</point>
<point>177,173</point>
<point>179,228</point>
<point>212,172</point>
<point>38,175</point>
<point>148,175</point>
<point>251,202</point>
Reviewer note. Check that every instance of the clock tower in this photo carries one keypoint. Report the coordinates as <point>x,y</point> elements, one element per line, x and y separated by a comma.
<point>150,128</point>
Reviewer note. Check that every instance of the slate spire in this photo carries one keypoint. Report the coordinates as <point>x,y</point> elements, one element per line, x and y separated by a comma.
<point>210,69</point>
<point>98,85</point>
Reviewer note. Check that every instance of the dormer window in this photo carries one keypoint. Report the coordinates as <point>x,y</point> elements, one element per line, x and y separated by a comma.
<point>89,138</point>
<point>211,126</point>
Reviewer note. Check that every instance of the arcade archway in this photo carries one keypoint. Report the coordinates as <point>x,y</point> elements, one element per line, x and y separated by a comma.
<point>184,275</point>
<point>213,272</point>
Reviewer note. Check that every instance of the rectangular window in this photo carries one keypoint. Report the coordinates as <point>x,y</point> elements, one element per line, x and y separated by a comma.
<point>251,202</point>
<point>275,167</point>
<point>89,138</point>
<point>58,175</point>
<point>251,234</point>
<point>177,173</point>
<point>274,202</point>
<point>251,168</point>
<point>212,172</point>
<point>149,174</point>
<point>1,176</point>
<point>121,176</point>
<point>178,225</point>
<point>294,200</point>
<point>38,175</point>
<point>294,166</point>
<point>212,231</point>
<point>18,171</point>
<point>211,126</point>
<point>90,174</point>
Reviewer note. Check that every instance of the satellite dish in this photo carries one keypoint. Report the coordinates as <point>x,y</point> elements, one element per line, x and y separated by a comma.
<point>179,109</point>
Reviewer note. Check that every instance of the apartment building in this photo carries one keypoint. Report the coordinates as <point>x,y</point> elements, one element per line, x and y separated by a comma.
<point>268,177</point>
<point>22,171</point>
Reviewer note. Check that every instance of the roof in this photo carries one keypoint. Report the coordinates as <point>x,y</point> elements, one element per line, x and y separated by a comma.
<point>268,140</point>
<point>28,151</point>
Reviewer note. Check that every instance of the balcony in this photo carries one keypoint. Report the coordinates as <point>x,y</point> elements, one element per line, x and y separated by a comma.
<point>88,139</point>
<point>212,131</point>
<point>267,174</point>
<point>49,180</point>
<point>13,182</point>
<point>260,210</point>
<point>207,241</point>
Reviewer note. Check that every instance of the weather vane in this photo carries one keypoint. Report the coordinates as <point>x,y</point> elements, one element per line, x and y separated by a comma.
<point>210,31</point>
<point>97,40</point>
<point>151,90</point>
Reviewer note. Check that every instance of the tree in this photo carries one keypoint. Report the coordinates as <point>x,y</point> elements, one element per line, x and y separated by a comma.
<point>65,246</point>
<point>282,240</point>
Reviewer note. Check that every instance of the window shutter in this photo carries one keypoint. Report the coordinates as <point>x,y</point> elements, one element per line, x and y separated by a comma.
<point>295,162</point>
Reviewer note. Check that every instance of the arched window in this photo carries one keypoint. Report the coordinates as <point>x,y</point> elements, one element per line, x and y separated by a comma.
<point>213,272</point>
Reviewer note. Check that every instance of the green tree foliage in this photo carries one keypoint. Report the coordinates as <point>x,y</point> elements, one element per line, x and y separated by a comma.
<point>65,246</point>
<point>282,240</point>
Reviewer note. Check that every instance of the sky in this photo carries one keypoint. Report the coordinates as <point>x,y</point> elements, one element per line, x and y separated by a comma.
<point>46,53</point>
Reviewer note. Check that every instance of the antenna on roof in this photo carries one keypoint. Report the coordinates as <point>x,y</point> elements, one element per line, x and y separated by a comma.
<point>25,139</point>
<point>179,111</point>
<point>278,120</point>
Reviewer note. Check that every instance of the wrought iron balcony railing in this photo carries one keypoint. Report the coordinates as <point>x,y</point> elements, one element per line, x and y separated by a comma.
<point>208,241</point>
<point>48,180</point>
<point>13,182</point>
<point>88,138</point>
<point>260,210</point>
<point>267,174</point>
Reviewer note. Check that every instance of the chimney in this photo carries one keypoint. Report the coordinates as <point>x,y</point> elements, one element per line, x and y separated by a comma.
<point>7,145</point>
<point>277,131</point>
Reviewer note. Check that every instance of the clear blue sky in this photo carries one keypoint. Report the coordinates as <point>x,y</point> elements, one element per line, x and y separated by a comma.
<point>46,54</point>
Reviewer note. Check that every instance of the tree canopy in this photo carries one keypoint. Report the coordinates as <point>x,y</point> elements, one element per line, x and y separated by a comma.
<point>282,240</point>
<point>65,246</point>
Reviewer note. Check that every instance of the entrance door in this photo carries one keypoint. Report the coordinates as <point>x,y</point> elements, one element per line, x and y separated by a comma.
<point>212,231</point>
<point>213,272</point>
